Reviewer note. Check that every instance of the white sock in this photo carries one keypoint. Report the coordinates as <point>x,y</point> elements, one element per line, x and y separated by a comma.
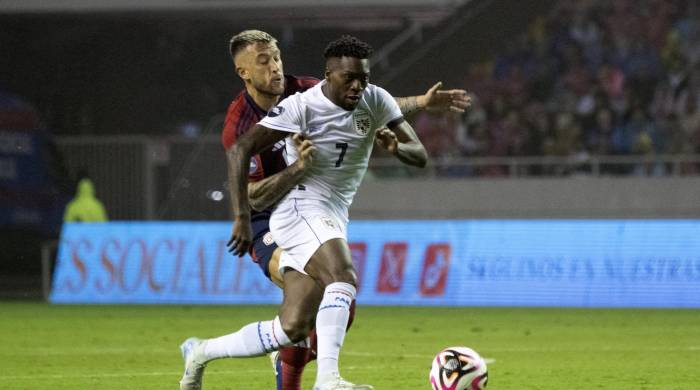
<point>331,322</point>
<point>254,339</point>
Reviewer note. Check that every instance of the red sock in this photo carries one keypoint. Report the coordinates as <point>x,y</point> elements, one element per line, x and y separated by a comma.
<point>293,360</point>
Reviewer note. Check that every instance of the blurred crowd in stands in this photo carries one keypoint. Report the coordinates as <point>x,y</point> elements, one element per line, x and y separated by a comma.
<point>591,78</point>
<point>588,78</point>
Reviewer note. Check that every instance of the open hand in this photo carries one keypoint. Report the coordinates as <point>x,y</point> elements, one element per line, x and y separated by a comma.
<point>455,100</point>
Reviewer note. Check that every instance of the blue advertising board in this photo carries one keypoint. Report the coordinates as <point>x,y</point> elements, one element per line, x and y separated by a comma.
<point>575,263</point>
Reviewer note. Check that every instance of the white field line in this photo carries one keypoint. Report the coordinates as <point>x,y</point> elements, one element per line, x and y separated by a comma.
<point>595,349</point>
<point>349,368</point>
<point>115,351</point>
<point>102,375</point>
<point>174,374</point>
<point>218,372</point>
<point>427,358</point>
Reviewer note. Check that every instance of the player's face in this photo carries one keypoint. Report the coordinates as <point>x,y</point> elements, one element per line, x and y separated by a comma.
<point>260,64</point>
<point>347,77</point>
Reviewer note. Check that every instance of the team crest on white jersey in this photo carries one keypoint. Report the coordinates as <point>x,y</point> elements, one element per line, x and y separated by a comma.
<point>362,122</point>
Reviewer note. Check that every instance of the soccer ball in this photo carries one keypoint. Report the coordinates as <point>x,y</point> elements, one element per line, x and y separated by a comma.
<point>458,368</point>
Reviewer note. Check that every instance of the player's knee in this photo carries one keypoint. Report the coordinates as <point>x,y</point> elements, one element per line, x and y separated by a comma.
<point>296,327</point>
<point>346,275</point>
<point>296,330</point>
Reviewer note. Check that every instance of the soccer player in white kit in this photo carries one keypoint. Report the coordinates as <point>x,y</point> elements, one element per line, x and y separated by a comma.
<point>339,116</point>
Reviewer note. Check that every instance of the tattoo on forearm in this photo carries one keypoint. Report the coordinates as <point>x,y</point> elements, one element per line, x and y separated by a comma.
<point>407,104</point>
<point>238,182</point>
<point>264,194</point>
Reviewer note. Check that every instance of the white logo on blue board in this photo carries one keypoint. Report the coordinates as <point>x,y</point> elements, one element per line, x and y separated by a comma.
<point>434,271</point>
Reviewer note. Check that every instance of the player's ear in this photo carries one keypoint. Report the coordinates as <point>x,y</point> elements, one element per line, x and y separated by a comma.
<point>327,74</point>
<point>242,73</point>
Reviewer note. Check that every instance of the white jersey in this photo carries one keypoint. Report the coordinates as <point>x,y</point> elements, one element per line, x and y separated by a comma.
<point>343,139</point>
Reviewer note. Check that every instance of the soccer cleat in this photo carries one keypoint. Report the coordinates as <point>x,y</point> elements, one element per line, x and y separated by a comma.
<point>276,367</point>
<point>335,382</point>
<point>192,351</point>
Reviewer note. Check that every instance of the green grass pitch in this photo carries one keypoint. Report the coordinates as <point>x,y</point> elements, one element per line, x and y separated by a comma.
<point>136,347</point>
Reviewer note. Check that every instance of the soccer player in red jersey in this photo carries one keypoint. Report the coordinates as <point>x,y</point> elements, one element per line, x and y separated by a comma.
<point>258,63</point>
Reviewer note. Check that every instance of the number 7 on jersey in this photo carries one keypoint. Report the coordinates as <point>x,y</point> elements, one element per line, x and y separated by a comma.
<point>343,146</point>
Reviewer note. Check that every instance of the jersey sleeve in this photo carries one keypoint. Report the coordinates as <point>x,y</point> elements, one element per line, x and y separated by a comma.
<point>386,109</point>
<point>286,116</point>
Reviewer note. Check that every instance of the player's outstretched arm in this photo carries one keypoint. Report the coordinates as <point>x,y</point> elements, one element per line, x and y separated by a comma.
<point>436,99</point>
<point>401,140</point>
<point>238,157</point>
<point>268,191</point>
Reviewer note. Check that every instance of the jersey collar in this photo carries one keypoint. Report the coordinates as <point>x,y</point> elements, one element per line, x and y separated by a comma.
<point>258,110</point>
<point>325,98</point>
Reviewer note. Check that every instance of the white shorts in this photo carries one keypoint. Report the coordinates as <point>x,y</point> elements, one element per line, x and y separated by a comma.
<point>301,226</point>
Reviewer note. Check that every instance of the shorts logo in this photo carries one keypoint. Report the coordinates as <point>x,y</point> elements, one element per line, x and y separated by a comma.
<point>275,111</point>
<point>267,239</point>
<point>362,123</point>
<point>328,222</point>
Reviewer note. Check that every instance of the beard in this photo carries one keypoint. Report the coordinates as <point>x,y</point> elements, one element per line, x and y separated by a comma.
<point>270,89</point>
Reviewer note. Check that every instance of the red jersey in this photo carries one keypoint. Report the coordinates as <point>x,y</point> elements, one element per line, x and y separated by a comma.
<point>243,113</point>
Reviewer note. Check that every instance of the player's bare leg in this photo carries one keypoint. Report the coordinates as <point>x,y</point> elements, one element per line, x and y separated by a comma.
<point>302,295</point>
<point>331,265</point>
<point>273,268</point>
<point>289,362</point>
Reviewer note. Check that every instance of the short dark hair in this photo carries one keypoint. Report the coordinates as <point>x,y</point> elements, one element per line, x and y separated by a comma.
<point>248,37</point>
<point>348,46</point>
